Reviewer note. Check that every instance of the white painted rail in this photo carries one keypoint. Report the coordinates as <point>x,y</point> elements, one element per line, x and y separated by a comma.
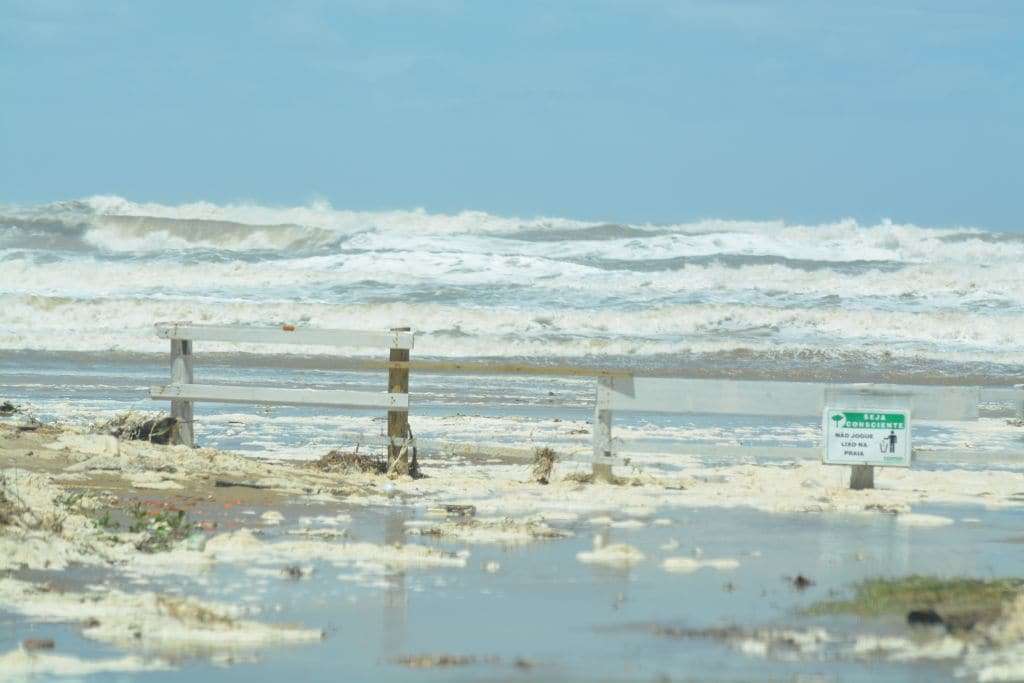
<point>219,393</point>
<point>287,334</point>
<point>617,390</point>
<point>182,392</point>
<point>779,399</point>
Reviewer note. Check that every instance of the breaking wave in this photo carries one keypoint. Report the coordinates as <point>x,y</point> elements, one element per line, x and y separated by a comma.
<point>95,273</point>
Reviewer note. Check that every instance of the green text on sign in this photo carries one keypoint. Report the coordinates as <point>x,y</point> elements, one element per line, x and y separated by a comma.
<point>850,420</point>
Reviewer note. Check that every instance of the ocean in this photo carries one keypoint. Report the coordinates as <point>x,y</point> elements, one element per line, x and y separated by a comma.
<point>83,281</point>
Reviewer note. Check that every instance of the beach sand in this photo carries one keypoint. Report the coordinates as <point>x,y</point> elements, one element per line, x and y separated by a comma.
<point>69,497</point>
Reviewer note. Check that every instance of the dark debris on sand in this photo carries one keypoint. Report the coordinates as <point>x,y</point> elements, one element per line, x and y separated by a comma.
<point>140,427</point>
<point>543,463</point>
<point>341,461</point>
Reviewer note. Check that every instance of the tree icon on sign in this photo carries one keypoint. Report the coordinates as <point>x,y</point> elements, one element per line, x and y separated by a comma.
<point>837,418</point>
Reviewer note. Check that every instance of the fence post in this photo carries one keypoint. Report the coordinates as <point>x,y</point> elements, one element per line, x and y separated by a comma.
<point>601,469</point>
<point>862,477</point>
<point>181,373</point>
<point>398,383</point>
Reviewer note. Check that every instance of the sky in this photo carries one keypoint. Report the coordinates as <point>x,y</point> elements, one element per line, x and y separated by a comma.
<point>613,110</point>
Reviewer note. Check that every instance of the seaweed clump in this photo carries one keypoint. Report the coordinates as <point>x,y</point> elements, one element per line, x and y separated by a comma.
<point>342,461</point>
<point>543,463</point>
<point>141,427</point>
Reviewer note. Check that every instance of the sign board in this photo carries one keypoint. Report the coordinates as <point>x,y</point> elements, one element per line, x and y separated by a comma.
<point>867,437</point>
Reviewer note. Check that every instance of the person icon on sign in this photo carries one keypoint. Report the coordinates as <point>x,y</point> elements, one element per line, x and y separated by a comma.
<point>892,440</point>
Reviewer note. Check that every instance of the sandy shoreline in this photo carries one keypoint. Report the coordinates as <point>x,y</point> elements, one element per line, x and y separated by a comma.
<point>60,485</point>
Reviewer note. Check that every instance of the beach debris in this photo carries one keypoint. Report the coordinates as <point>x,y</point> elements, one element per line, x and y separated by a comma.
<point>505,530</point>
<point>800,582</point>
<point>343,461</point>
<point>296,572</point>
<point>36,644</point>
<point>227,483</point>
<point>458,510</point>
<point>30,424</point>
<point>135,426</point>
<point>924,617</point>
<point>579,477</point>
<point>8,408</point>
<point>543,463</point>
<point>584,477</point>
<point>434,661</point>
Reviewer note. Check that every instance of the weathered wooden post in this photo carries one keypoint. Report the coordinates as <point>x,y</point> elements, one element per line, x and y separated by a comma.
<point>398,383</point>
<point>862,477</point>
<point>601,469</point>
<point>181,373</point>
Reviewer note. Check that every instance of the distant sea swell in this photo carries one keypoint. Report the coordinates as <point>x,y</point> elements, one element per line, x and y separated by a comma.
<point>94,274</point>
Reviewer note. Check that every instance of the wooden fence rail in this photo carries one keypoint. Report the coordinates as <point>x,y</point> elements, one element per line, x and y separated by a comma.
<point>616,390</point>
<point>182,392</point>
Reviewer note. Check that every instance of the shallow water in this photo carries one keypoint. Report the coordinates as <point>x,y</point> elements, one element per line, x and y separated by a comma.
<point>573,621</point>
<point>498,412</point>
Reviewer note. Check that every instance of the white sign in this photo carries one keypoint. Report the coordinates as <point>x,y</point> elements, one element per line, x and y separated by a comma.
<point>866,437</point>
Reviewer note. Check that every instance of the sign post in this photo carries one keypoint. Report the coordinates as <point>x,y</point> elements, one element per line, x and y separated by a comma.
<point>865,439</point>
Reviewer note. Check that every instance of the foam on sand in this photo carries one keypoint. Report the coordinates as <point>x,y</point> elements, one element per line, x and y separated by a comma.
<point>923,520</point>
<point>620,555</point>
<point>21,664</point>
<point>150,621</point>
<point>504,530</point>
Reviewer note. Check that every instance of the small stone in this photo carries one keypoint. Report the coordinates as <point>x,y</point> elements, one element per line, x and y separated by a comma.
<point>924,617</point>
<point>36,644</point>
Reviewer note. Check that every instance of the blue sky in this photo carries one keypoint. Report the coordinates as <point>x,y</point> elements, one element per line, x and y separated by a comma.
<point>607,110</point>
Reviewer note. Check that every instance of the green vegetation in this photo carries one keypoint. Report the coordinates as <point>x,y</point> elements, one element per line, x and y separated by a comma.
<point>107,522</point>
<point>69,501</point>
<point>162,529</point>
<point>963,600</point>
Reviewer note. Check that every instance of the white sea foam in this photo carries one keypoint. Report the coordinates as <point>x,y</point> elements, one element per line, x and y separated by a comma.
<point>95,274</point>
<point>62,323</point>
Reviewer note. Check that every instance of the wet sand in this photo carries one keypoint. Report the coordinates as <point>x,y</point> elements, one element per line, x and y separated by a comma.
<point>291,565</point>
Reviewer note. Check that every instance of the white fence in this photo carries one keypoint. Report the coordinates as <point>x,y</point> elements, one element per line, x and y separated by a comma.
<point>182,392</point>
<point>782,399</point>
<point>617,390</point>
